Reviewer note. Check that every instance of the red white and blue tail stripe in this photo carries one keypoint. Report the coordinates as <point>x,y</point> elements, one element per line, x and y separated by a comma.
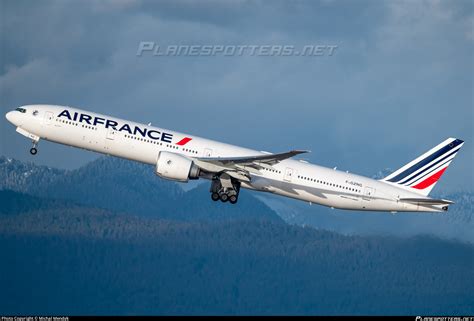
<point>421,174</point>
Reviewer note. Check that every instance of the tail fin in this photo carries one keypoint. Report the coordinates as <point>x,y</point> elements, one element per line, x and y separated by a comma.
<point>421,174</point>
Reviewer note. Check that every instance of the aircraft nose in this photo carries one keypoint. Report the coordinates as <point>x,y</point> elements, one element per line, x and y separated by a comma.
<point>12,117</point>
<point>9,116</point>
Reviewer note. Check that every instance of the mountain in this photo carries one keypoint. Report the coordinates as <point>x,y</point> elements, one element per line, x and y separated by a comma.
<point>78,261</point>
<point>382,173</point>
<point>457,223</point>
<point>15,202</point>
<point>85,239</point>
<point>124,186</point>
<point>26,177</point>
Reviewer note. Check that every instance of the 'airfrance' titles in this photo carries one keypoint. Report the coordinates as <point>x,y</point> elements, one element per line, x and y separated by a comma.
<point>135,130</point>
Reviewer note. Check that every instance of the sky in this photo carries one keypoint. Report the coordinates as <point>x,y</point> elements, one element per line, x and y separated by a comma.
<point>399,82</point>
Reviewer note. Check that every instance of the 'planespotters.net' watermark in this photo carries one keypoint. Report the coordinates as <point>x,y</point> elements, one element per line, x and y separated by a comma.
<point>153,49</point>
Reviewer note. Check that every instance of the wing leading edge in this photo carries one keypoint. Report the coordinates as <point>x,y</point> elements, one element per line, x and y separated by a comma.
<point>269,159</point>
<point>241,167</point>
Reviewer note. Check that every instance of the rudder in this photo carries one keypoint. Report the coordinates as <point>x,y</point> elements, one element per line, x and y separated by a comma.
<point>422,174</point>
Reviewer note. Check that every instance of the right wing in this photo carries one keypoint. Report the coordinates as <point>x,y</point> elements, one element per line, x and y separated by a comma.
<point>241,167</point>
<point>266,158</point>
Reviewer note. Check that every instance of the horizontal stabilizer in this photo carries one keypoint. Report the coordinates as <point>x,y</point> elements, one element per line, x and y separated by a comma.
<point>427,201</point>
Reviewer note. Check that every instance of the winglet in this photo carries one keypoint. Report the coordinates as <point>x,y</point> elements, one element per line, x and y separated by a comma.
<point>299,151</point>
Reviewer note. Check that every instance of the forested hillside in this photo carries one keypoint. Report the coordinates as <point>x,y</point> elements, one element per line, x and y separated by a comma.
<point>112,238</point>
<point>457,223</point>
<point>80,260</point>
<point>129,187</point>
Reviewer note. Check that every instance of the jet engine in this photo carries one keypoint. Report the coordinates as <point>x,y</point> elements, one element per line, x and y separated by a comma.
<point>176,167</point>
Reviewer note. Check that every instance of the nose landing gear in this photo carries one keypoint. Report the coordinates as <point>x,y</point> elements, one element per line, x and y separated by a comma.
<point>34,150</point>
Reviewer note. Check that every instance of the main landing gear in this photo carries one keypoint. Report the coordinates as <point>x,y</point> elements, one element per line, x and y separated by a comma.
<point>224,188</point>
<point>33,150</point>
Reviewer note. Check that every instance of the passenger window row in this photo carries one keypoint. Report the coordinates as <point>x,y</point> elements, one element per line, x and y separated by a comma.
<point>159,143</point>
<point>329,184</point>
<point>68,122</point>
<point>272,170</point>
<point>189,150</point>
<point>144,140</point>
<point>128,136</point>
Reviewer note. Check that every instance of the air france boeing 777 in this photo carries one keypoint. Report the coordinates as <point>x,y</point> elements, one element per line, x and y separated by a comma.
<point>181,157</point>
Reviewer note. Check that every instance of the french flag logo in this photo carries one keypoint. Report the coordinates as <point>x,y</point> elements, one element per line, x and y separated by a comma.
<point>184,141</point>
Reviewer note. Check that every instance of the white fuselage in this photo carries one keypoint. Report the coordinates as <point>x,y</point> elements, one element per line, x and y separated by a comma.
<point>291,178</point>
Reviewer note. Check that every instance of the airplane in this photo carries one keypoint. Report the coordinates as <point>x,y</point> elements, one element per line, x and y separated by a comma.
<point>183,157</point>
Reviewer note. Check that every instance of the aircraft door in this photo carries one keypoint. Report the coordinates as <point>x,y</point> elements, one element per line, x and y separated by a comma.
<point>289,172</point>
<point>110,141</point>
<point>369,193</point>
<point>111,133</point>
<point>48,118</point>
<point>207,152</point>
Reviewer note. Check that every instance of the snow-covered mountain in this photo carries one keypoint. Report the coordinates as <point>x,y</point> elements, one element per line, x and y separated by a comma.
<point>127,187</point>
<point>457,223</point>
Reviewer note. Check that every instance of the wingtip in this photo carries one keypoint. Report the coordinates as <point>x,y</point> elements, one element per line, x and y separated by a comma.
<point>300,151</point>
<point>448,202</point>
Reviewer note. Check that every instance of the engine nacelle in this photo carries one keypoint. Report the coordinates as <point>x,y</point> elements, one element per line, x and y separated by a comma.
<point>176,167</point>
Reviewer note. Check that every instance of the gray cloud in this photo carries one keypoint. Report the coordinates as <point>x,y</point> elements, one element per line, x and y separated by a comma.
<point>400,81</point>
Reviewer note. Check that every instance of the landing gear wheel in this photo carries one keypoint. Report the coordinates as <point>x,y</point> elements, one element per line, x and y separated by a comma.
<point>233,199</point>
<point>225,188</point>
<point>33,151</point>
<point>224,197</point>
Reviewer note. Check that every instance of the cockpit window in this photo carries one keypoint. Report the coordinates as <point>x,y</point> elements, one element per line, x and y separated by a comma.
<point>21,110</point>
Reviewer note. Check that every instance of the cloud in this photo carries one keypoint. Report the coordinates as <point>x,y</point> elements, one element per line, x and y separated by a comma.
<point>401,77</point>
